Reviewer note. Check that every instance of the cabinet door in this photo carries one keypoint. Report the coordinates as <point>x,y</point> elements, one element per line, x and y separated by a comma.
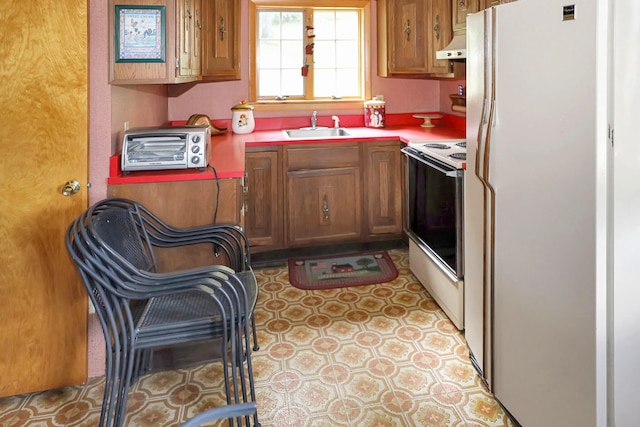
<point>263,200</point>
<point>187,204</point>
<point>407,36</point>
<point>324,206</point>
<point>383,187</point>
<point>188,37</point>
<point>221,41</point>
<point>439,23</point>
<point>460,10</point>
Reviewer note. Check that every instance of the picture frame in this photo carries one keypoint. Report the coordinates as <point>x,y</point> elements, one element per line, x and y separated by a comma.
<point>140,33</point>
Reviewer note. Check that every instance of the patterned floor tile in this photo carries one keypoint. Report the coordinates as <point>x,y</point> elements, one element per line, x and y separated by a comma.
<point>376,355</point>
<point>432,412</point>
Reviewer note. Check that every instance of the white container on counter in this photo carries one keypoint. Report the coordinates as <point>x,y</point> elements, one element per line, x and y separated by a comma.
<point>374,113</point>
<point>242,120</point>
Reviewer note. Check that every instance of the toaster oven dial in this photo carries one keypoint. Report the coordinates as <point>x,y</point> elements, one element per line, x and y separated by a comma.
<point>195,160</point>
<point>195,138</point>
<point>195,149</point>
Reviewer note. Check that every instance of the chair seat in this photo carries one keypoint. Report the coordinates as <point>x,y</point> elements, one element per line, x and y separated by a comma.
<point>187,316</point>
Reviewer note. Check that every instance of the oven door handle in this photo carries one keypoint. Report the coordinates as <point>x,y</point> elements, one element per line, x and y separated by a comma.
<point>450,173</point>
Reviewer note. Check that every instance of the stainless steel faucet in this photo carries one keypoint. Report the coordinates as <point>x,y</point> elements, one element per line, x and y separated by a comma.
<point>314,118</point>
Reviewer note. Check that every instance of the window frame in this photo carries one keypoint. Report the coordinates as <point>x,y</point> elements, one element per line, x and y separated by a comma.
<point>316,104</point>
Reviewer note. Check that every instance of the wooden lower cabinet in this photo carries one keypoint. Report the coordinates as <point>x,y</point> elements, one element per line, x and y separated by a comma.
<point>315,194</point>
<point>187,204</point>
<point>263,198</point>
<point>383,188</point>
<point>324,206</point>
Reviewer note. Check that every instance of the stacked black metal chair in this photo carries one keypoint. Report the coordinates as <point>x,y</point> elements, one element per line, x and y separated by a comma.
<point>140,309</point>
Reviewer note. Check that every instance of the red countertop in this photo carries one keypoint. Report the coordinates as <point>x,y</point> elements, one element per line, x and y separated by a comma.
<point>228,150</point>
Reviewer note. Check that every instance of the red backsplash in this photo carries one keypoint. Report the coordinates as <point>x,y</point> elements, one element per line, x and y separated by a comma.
<point>357,120</point>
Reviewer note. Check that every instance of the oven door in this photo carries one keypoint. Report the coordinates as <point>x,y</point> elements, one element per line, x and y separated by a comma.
<point>435,210</point>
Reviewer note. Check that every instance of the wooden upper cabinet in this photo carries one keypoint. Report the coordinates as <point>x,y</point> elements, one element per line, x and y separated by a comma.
<point>202,42</point>
<point>402,36</point>
<point>409,33</point>
<point>221,42</point>
<point>182,46</point>
<point>189,37</point>
<point>439,23</point>
<point>488,3</point>
<point>460,10</point>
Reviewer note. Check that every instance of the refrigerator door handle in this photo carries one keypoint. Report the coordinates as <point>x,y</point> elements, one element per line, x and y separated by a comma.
<point>485,111</point>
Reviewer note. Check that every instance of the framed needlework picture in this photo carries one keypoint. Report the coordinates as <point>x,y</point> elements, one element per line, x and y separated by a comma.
<point>140,33</point>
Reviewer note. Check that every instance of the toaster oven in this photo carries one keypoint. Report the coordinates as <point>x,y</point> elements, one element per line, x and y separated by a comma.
<point>171,147</point>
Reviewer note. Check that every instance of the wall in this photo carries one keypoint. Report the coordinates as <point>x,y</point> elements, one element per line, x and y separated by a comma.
<point>110,106</point>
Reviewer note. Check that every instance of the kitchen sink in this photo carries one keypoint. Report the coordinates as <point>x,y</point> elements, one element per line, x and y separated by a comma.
<point>317,132</point>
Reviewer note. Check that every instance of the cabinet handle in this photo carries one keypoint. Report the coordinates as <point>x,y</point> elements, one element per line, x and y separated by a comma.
<point>222,28</point>
<point>407,29</point>
<point>325,208</point>
<point>187,17</point>
<point>436,27</point>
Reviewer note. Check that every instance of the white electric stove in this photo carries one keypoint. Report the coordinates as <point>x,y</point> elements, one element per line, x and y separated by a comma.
<point>434,220</point>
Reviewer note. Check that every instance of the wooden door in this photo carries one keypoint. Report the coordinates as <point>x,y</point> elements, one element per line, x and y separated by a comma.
<point>44,122</point>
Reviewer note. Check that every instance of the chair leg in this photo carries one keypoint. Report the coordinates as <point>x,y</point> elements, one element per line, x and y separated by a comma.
<point>256,347</point>
<point>247,357</point>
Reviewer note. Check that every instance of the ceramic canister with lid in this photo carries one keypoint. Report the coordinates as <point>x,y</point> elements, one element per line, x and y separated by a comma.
<point>374,113</point>
<point>242,120</point>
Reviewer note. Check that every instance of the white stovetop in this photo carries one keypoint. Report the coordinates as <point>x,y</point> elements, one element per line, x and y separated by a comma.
<point>441,150</point>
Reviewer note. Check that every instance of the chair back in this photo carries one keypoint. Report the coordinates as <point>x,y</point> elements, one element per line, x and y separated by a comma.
<point>119,229</point>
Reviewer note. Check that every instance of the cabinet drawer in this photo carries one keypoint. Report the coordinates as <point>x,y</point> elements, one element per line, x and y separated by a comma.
<point>326,156</point>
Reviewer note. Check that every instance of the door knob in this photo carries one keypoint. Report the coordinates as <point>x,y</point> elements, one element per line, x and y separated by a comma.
<point>70,188</point>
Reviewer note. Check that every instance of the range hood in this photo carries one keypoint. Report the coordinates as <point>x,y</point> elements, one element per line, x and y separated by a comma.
<point>457,49</point>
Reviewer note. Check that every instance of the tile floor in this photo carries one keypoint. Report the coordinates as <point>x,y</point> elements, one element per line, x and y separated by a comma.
<point>378,355</point>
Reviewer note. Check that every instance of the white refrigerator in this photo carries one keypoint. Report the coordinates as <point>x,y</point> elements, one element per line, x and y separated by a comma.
<point>534,124</point>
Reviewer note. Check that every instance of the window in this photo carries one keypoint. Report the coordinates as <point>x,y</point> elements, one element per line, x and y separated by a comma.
<point>309,51</point>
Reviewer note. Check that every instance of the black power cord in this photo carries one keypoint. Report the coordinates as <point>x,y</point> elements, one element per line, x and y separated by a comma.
<point>216,250</point>
<point>215,212</point>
